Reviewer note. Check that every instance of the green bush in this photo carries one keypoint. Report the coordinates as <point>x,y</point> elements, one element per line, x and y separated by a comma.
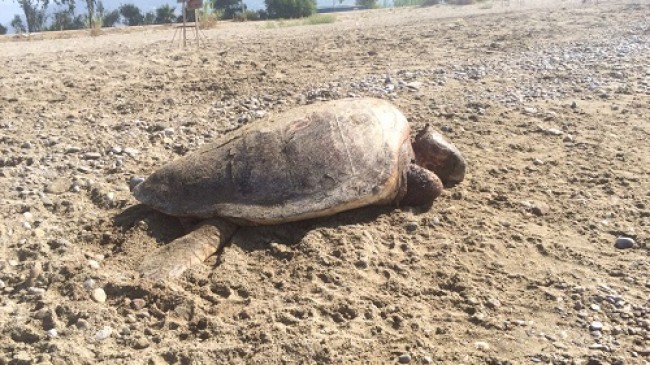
<point>250,15</point>
<point>288,9</point>
<point>111,18</point>
<point>3,29</point>
<point>320,19</point>
<point>401,3</point>
<point>312,20</point>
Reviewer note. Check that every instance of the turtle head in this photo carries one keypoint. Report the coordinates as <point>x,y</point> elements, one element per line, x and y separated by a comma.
<point>439,156</point>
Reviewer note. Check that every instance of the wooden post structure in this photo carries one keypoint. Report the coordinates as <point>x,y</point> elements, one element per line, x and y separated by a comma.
<point>184,23</point>
<point>196,27</point>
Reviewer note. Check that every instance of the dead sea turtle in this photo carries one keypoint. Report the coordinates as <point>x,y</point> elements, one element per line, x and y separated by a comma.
<point>312,161</point>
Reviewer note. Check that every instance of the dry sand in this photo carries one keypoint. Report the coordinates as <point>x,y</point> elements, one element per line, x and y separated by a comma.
<point>549,102</point>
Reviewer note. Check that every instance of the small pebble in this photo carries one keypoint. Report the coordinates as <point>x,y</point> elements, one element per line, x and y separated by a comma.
<point>560,345</point>
<point>597,346</point>
<point>89,284</point>
<point>530,110</point>
<point>411,226</point>
<point>596,326</point>
<point>595,307</point>
<point>404,359</point>
<point>36,291</point>
<point>104,333</point>
<point>554,132</point>
<point>426,360</point>
<point>99,295</point>
<point>540,208</point>
<point>93,264</point>
<point>624,243</point>
<point>131,151</point>
<point>82,324</point>
<point>22,357</point>
<point>415,85</point>
<point>92,156</point>
<point>140,343</point>
<point>138,303</point>
<point>51,333</point>
<point>482,345</point>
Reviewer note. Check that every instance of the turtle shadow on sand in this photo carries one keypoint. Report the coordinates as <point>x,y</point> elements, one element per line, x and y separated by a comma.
<point>165,228</point>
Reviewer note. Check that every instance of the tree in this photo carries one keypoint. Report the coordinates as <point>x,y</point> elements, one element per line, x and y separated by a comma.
<point>165,14</point>
<point>65,19</point>
<point>290,8</point>
<point>34,11</point>
<point>111,18</point>
<point>149,17</point>
<point>368,4</point>
<point>61,20</point>
<point>90,6</point>
<point>3,29</point>
<point>229,7</point>
<point>18,25</point>
<point>131,14</point>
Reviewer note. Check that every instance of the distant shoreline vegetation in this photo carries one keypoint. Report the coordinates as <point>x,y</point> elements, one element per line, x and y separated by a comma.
<point>43,15</point>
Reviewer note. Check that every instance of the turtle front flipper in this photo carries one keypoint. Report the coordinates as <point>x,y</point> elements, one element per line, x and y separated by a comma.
<point>171,260</point>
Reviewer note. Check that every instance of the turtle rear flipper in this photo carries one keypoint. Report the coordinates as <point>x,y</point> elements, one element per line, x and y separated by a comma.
<point>171,260</point>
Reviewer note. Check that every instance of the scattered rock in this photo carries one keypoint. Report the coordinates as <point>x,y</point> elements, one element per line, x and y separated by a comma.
<point>596,326</point>
<point>22,358</point>
<point>58,186</point>
<point>132,152</point>
<point>104,333</point>
<point>93,264</point>
<point>89,284</point>
<point>82,324</point>
<point>540,208</point>
<point>138,303</point>
<point>623,243</point>
<point>99,295</point>
<point>404,359</point>
<point>554,132</point>
<point>411,226</point>
<point>92,156</point>
<point>140,343</point>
